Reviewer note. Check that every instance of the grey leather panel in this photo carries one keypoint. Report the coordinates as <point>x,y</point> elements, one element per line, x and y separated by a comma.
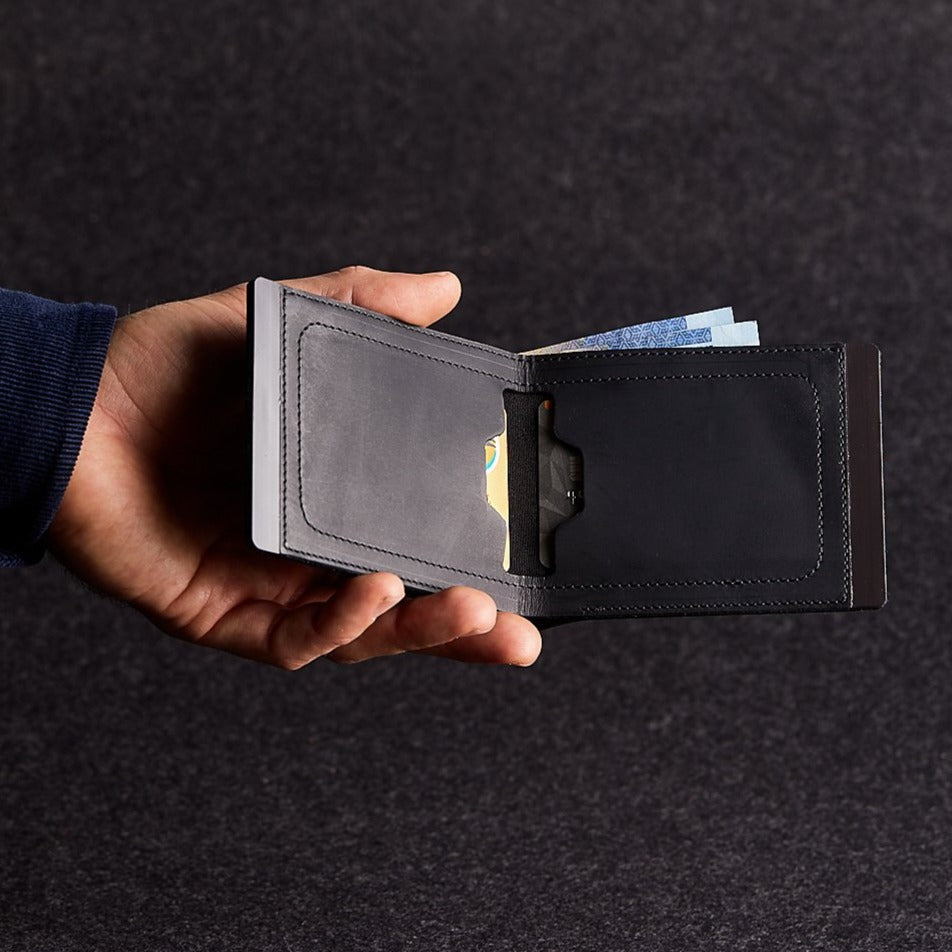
<point>384,463</point>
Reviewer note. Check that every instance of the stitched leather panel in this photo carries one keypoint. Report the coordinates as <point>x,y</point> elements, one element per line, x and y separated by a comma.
<point>383,452</point>
<point>713,480</point>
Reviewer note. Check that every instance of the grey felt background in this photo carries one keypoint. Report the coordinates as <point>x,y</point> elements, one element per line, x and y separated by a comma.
<point>735,783</point>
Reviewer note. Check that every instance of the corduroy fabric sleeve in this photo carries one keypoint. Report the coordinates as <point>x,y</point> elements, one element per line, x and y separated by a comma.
<point>51,359</point>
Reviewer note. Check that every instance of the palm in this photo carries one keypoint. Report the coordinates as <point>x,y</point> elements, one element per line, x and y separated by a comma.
<point>156,512</point>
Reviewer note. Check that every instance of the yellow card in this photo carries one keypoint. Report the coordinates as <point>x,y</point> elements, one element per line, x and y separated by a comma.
<point>497,481</point>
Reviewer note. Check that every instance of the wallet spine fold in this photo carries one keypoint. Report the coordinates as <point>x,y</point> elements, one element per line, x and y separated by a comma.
<point>865,462</point>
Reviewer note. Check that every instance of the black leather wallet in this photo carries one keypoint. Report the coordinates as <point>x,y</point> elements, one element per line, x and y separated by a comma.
<point>709,481</point>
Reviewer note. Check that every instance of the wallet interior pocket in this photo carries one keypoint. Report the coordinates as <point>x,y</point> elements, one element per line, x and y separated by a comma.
<point>391,454</point>
<point>692,479</point>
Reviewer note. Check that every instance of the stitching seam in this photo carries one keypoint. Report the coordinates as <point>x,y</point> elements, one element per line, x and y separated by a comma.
<point>696,353</point>
<point>677,607</point>
<point>819,469</point>
<point>847,555</point>
<point>404,350</point>
<point>393,322</point>
<point>339,538</point>
<point>844,484</point>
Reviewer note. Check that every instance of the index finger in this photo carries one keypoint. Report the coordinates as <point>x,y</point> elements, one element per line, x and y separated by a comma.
<point>419,299</point>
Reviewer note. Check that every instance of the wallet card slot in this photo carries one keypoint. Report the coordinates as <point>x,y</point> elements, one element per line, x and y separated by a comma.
<point>522,423</point>
<point>544,482</point>
<point>704,480</point>
<point>390,452</point>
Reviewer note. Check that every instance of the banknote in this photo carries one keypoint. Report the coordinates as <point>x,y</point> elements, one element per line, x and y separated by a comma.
<point>650,334</point>
<point>745,334</point>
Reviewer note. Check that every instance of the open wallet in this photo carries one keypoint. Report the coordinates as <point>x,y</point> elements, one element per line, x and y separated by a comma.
<point>636,482</point>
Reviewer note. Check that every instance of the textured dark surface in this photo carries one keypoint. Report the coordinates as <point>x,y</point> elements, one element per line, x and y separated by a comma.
<point>739,783</point>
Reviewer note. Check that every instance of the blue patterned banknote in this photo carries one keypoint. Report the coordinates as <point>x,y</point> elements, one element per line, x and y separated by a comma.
<point>707,329</point>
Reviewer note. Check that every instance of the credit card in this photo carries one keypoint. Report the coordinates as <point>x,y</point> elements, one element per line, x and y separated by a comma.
<point>497,481</point>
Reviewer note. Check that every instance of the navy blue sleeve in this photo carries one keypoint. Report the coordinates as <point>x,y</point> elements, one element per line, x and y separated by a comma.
<point>51,359</point>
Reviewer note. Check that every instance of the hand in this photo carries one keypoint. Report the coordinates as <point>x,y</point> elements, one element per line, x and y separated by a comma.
<point>155,511</point>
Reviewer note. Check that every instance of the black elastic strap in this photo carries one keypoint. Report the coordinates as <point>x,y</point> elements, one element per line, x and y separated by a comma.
<point>522,436</point>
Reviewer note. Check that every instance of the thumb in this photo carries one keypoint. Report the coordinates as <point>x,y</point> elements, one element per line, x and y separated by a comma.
<point>415,298</point>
